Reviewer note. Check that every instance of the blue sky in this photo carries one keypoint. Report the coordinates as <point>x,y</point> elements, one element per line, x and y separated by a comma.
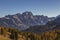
<point>37,7</point>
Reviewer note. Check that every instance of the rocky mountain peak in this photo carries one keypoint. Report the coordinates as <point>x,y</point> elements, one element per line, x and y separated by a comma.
<point>58,16</point>
<point>23,21</point>
<point>27,13</point>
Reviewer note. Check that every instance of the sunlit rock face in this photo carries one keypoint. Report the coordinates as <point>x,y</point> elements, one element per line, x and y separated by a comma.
<point>24,20</point>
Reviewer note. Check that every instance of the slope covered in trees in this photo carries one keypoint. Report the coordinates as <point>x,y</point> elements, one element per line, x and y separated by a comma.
<point>14,34</point>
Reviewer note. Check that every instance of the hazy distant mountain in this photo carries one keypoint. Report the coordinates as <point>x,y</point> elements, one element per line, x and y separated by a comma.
<point>24,20</point>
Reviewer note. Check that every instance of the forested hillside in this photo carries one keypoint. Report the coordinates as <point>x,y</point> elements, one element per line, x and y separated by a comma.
<point>14,34</point>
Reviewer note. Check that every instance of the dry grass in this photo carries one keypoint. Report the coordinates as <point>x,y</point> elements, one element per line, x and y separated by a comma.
<point>4,38</point>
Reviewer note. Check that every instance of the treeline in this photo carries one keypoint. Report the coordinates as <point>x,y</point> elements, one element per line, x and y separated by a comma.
<point>14,34</point>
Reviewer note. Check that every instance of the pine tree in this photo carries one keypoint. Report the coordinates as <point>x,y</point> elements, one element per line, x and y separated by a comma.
<point>12,35</point>
<point>16,35</point>
<point>2,31</point>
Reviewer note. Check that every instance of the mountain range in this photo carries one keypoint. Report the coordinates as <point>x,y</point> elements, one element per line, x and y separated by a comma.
<point>49,26</point>
<point>25,20</point>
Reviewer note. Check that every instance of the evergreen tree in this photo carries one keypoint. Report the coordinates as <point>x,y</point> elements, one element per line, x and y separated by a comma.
<point>16,35</point>
<point>2,31</point>
<point>12,34</point>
